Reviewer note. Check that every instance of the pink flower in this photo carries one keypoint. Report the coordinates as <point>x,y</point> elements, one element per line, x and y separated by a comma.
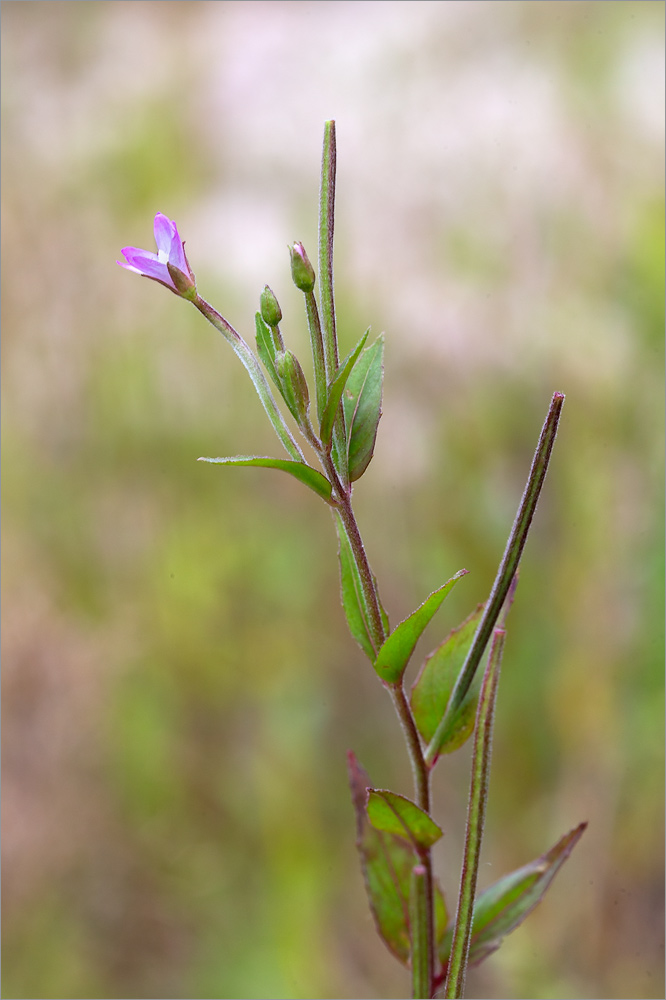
<point>167,264</point>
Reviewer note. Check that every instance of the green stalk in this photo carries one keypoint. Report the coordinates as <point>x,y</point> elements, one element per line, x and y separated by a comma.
<point>326,225</point>
<point>455,979</point>
<point>423,949</point>
<point>423,954</point>
<point>326,292</point>
<point>505,573</point>
<point>251,364</point>
<point>418,923</point>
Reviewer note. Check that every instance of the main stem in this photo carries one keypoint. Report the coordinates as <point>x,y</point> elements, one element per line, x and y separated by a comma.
<point>425,963</point>
<point>420,769</point>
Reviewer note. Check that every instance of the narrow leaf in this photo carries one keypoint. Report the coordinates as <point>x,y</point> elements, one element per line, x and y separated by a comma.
<point>505,573</point>
<point>362,402</point>
<point>434,684</point>
<point>394,655</point>
<point>387,863</point>
<point>266,348</point>
<point>398,815</point>
<point>305,473</point>
<point>504,906</point>
<point>336,389</point>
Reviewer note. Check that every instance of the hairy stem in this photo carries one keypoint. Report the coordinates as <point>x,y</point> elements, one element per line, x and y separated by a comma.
<point>418,921</point>
<point>326,291</point>
<point>476,813</point>
<point>326,226</point>
<point>421,773</point>
<point>242,350</point>
<point>335,465</point>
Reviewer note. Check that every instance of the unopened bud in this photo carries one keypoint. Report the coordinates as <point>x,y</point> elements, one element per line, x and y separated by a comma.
<point>302,270</point>
<point>293,384</point>
<point>270,308</point>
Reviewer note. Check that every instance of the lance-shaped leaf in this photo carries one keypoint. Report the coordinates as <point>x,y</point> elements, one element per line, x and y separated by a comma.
<point>387,862</point>
<point>398,815</point>
<point>394,655</point>
<point>362,402</point>
<point>335,391</point>
<point>434,684</point>
<point>504,906</point>
<point>352,593</point>
<point>266,348</point>
<point>305,473</point>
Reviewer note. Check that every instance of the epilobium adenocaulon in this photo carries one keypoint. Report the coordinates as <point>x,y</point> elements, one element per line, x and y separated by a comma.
<point>169,265</point>
<point>451,698</point>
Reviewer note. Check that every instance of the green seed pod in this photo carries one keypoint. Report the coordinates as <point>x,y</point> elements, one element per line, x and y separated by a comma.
<point>185,284</point>
<point>293,385</point>
<point>302,270</point>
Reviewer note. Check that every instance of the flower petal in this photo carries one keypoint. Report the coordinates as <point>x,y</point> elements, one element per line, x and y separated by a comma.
<point>177,253</point>
<point>164,233</point>
<point>147,264</point>
<point>134,255</point>
<point>130,267</point>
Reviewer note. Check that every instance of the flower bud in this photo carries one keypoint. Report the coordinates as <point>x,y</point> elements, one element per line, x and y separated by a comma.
<point>270,308</point>
<point>302,270</point>
<point>293,384</point>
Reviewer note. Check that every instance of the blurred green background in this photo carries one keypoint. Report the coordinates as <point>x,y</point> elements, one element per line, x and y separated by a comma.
<point>179,685</point>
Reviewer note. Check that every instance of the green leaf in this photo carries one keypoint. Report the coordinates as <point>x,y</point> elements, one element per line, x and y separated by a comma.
<point>352,593</point>
<point>362,402</point>
<point>394,655</point>
<point>266,348</point>
<point>434,684</point>
<point>393,813</point>
<point>387,862</point>
<point>335,391</point>
<point>305,473</point>
<point>504,906</point>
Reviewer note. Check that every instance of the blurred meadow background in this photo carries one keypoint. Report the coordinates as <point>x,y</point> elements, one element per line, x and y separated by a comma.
<point>179,684</point>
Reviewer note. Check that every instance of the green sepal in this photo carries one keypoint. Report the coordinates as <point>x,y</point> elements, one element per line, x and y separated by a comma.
<point>352,593</point>
<point>394,655</point>
<point>387,863</point>
<point>362,402</point>
<point>299,470</point>
<point>266,348</point>
<point>504,906</point>
<point>433,686</point>
<point>335,391</point>
<point>395,814</point>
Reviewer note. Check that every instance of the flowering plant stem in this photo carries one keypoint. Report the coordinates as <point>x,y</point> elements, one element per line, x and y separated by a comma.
<point>395,834</point>
<point>423,955</point>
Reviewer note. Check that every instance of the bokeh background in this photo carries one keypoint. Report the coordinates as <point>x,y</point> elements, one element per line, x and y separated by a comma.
<point>179,685</point>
